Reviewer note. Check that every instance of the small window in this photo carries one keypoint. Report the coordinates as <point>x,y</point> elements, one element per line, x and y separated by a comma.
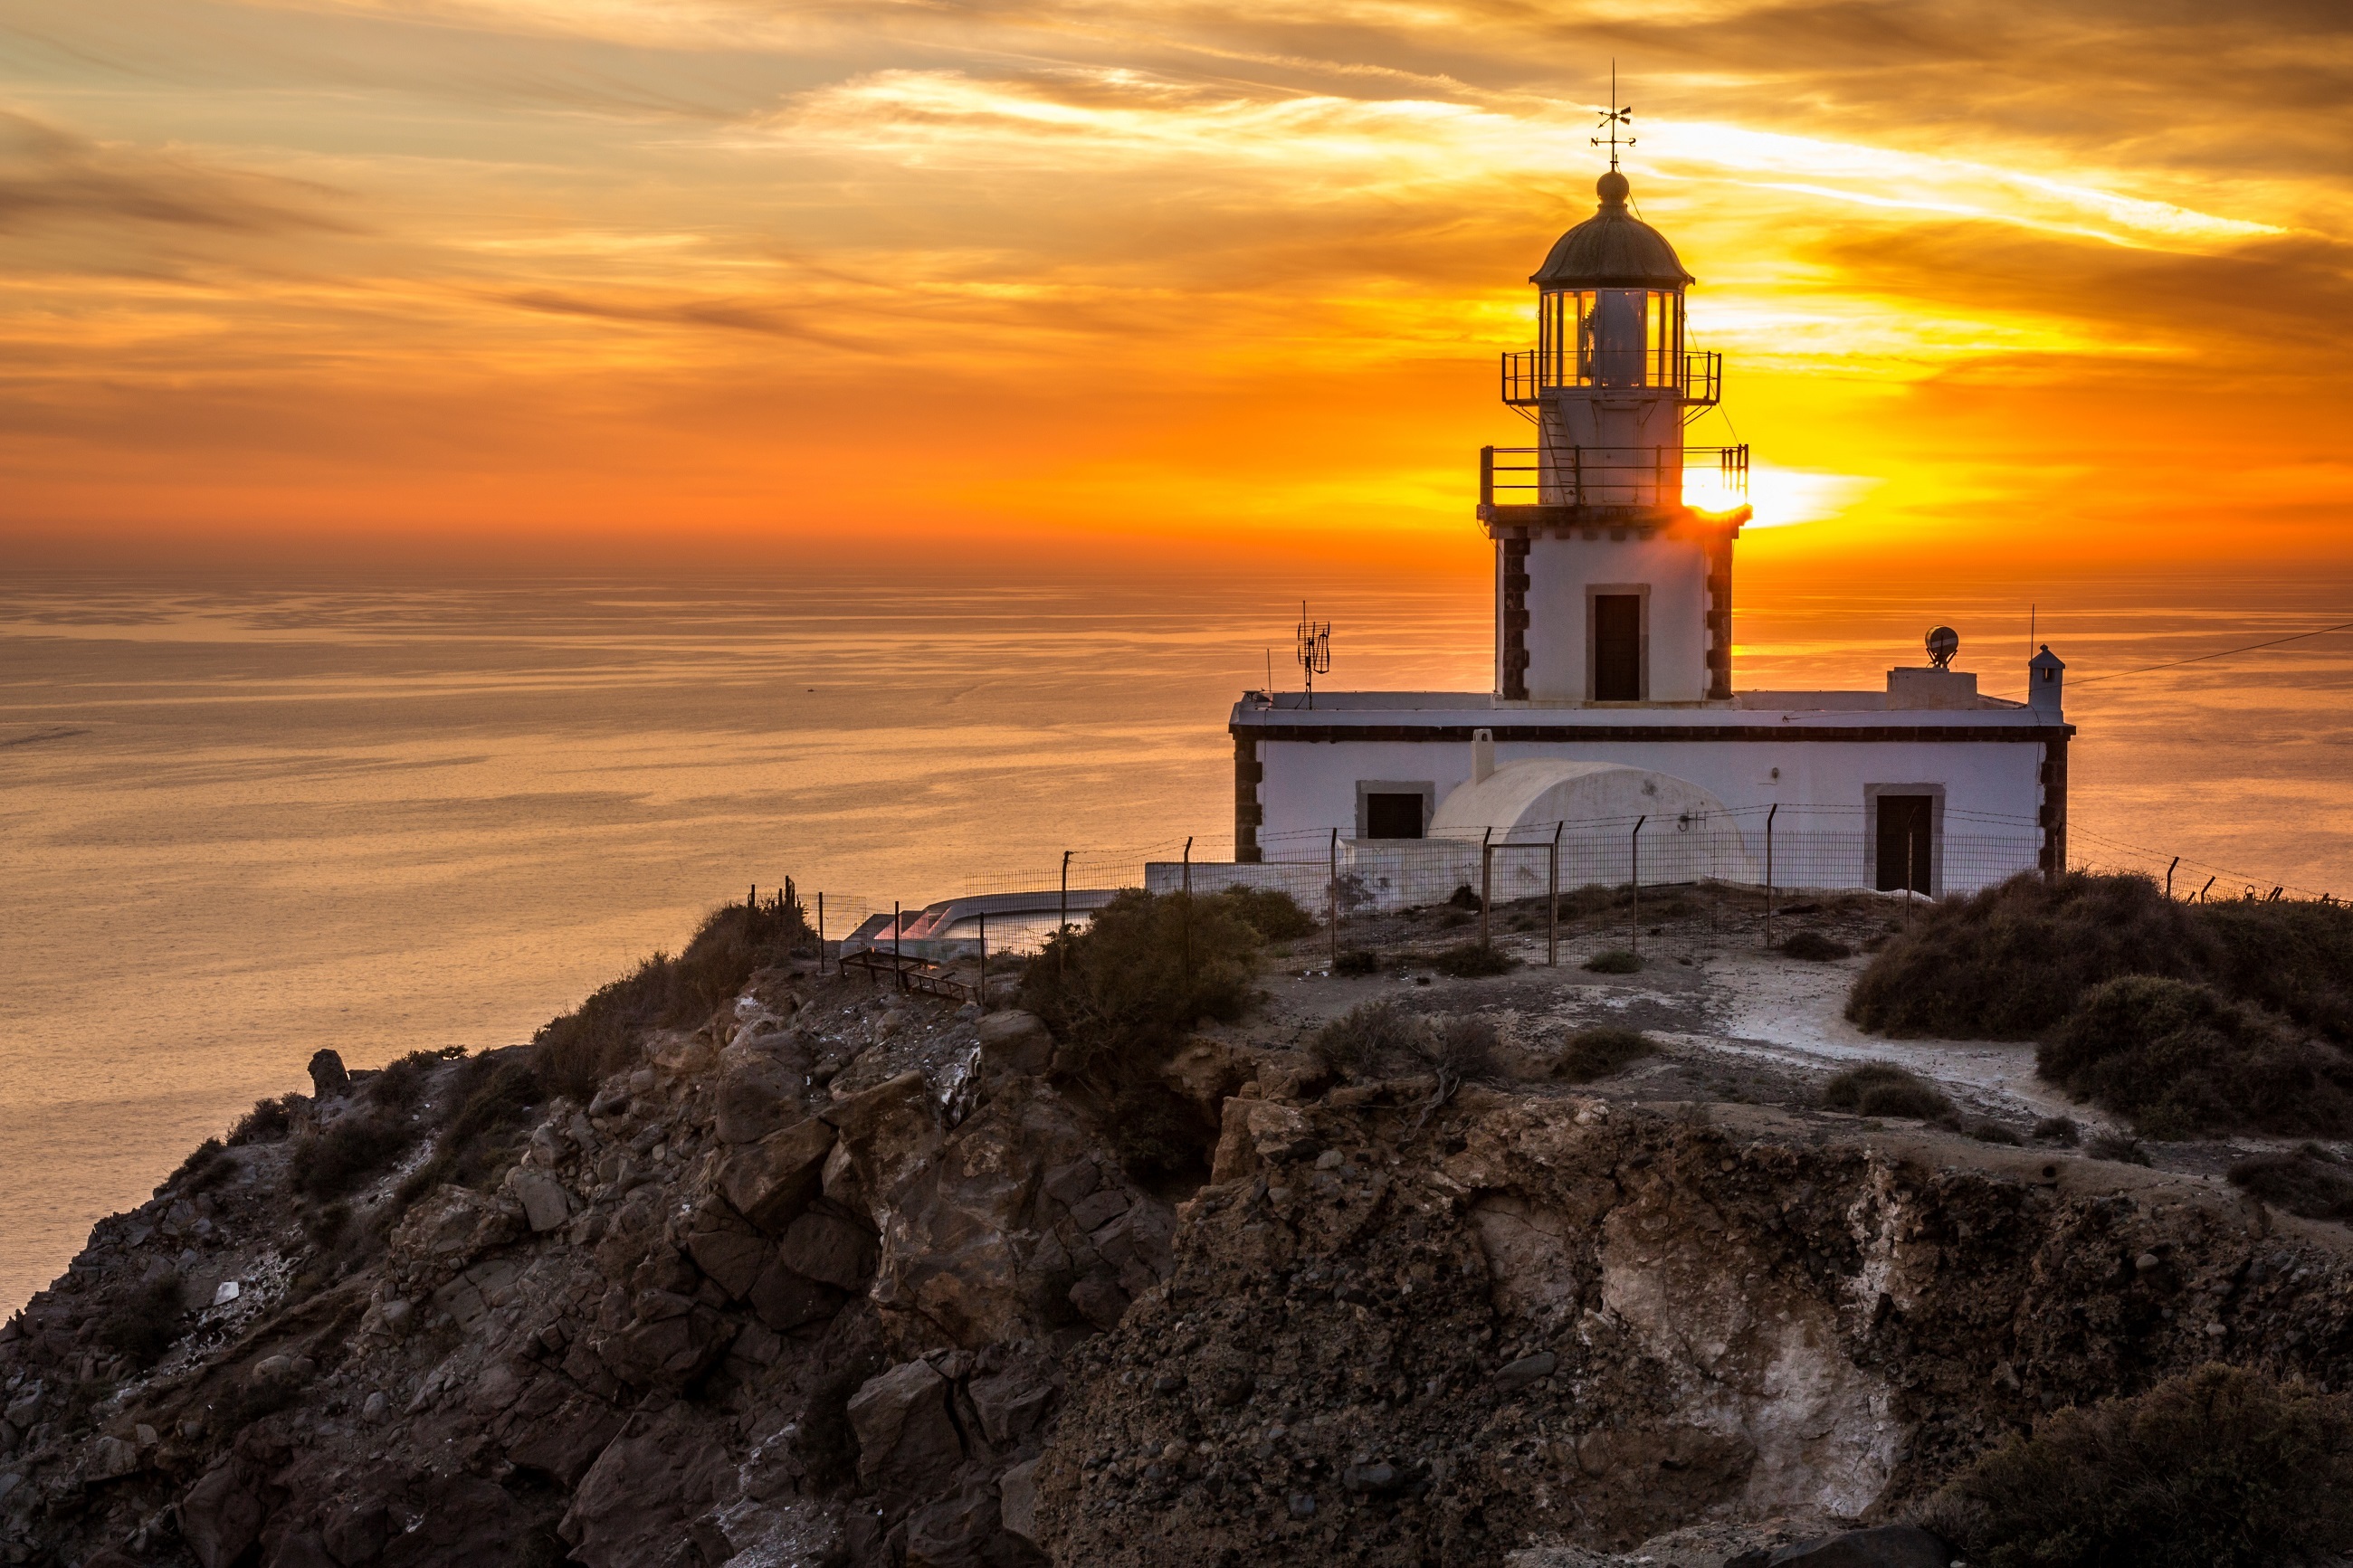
<point>1393,815</point>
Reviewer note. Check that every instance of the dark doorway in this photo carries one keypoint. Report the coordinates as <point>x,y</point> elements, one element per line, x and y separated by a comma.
<point>1905,857</point>
<point>1617,648</point>
<point>1392,817</point>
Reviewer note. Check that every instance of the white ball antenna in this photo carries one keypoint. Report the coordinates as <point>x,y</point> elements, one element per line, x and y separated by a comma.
<point>1943,644</point>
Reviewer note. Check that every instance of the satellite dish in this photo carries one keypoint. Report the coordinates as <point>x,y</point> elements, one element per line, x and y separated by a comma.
<point>1943,644</point>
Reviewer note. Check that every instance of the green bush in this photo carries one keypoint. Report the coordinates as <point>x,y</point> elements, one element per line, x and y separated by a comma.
<point>1601,1050</point>
<point>580,1049</point>
<point>2014,960</point>
<point>1614,961</point>
<point>1814,947</point>
<point>1470,960</point>
<point>1274,914</point>
<point>1883,1089</point>
<point>2309,1181</point>
<point>2223,1468</point>
<point>2181,1059</point>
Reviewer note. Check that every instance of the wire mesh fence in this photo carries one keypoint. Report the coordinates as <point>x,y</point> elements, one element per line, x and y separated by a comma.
<point>1013,907</point>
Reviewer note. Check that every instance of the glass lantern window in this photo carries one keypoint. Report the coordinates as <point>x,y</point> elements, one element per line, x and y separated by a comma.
<point>1611,338</point>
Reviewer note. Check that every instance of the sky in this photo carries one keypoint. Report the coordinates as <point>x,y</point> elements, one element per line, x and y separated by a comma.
<point>2065,285</point>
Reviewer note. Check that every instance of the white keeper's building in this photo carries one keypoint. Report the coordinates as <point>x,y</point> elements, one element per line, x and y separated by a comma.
<point>1614,733</point>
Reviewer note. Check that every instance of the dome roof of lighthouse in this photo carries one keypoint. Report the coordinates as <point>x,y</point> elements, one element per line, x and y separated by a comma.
<point>1612,249</point>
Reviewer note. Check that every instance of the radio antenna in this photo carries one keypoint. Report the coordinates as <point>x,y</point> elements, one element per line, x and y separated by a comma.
<point>1314,649</point>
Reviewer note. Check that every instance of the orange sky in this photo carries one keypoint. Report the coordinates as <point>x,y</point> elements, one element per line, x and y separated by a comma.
<point>718,279</point>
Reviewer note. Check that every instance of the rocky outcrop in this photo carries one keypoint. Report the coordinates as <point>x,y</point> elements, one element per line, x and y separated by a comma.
<point>845,1278</point>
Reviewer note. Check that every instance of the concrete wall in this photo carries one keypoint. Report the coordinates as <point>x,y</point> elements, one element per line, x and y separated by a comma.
<point>1991,792</point>
<point>1671,576</point>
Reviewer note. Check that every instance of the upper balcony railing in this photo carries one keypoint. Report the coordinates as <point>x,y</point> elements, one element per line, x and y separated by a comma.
<point>1710,478</point>
<point>1696,378</point>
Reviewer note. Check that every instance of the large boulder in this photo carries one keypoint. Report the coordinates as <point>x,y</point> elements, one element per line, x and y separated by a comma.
<point>221,1516</point>
<point>771,1182</point>
<point>760,1080</point>
<point>647,1501</point>
<point>1015,1043</point>
<point>891,1131</point>
<point>831,1250</point>
<point>907,1441</point>
<point>673,1342</point>
<point>328,1078</point>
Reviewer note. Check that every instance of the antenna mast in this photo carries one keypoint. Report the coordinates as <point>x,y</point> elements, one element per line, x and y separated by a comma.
<point>1616,114</point>
<point>1314,649</point>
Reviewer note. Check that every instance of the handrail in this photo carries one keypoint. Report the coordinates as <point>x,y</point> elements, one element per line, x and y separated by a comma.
<point>1527,373</point>
<point>1604,476</point>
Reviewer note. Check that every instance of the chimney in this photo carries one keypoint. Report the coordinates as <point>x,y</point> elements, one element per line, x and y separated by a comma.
<point>2046,675</point>
<point>1483,755</point>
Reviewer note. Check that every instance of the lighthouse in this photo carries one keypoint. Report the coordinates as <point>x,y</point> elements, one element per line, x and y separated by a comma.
<point>1614,741</point>
<point>1610,586</point>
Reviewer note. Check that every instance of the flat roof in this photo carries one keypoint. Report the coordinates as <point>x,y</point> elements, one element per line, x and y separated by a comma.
<point>1464,710</point>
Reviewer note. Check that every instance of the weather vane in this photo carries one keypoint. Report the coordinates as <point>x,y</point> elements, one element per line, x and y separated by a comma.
<point>1613,117</point>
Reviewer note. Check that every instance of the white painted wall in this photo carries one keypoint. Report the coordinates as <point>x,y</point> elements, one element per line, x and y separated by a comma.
<point>1310,788</point>
<point>1560,638</point>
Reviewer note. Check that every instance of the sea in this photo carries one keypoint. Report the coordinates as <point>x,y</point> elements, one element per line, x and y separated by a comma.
<point>241,820</point>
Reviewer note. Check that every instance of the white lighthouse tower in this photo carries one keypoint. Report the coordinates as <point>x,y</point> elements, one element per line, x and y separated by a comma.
<point>1609,588</point>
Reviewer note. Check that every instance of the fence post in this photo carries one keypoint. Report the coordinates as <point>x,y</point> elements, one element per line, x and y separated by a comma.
<point>1333,895</point>
<point>1188,863</point>
<point>1634,904</point>
<point>1770,813</point>
<point>2169,879</point>
<point>820,931</point>
<point>1061,961</point>
<point>897,945</point>
<point>1486,881</point>
<point>984,961</point>
<point>1552,902</point>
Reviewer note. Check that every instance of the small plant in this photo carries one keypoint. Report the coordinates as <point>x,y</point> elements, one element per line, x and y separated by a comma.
<point>1362,1038</point>
<point>1470,960</point>
<point>1356,960</point>
<point>2059,1130</point>
<point>325,1227</point>
<point>1995,1133</point>
<point>1274,914</point>
<point>348,1154</point>
<point>1601,1050</point>
<point>495,1095</point>
<point>1466,897</point>
<point>1884,1088</point>
<point>2221,1468</point>
<point>2116,1148</point>
<point>1814,947</point>
<point>144,1321</point>
<point>269,1122</point>
<point>207,1167</point>
<point>2309,1181</point>
<point>1614,961</point>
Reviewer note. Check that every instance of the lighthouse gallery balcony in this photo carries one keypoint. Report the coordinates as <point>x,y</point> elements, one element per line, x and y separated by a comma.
<point>1534,483</point>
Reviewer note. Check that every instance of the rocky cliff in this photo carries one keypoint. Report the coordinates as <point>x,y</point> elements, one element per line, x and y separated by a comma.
<point>846,1277</point>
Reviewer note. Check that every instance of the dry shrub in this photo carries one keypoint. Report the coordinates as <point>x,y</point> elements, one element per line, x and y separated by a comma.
<point>2309,1181</point>
<point>2181,1059</point>
<point>494,1094</point>
<point>579,1050</point>
<point>2058,1129</point>
<point>1995,1133</point>
<point>269,1122</point>
<point>1814,947</point>
<point>1600,1051</point>
<point>1883,1089</point>
<point>1274,914</point>
<point>1366,1037</point>
<point>1471,960</point>
<point>347,1155</point>
<point>1614,961</point>
<point>2014,960</point>
<point>2116,1148</point>
<point>142,1320</point>
<point>206,1167</point>
<point>2221,1468</point>
<point>1356,960</point>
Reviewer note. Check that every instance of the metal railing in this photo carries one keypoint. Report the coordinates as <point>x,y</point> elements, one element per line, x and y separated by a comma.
<point>1696,377</point>
<point>1607,476</point>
